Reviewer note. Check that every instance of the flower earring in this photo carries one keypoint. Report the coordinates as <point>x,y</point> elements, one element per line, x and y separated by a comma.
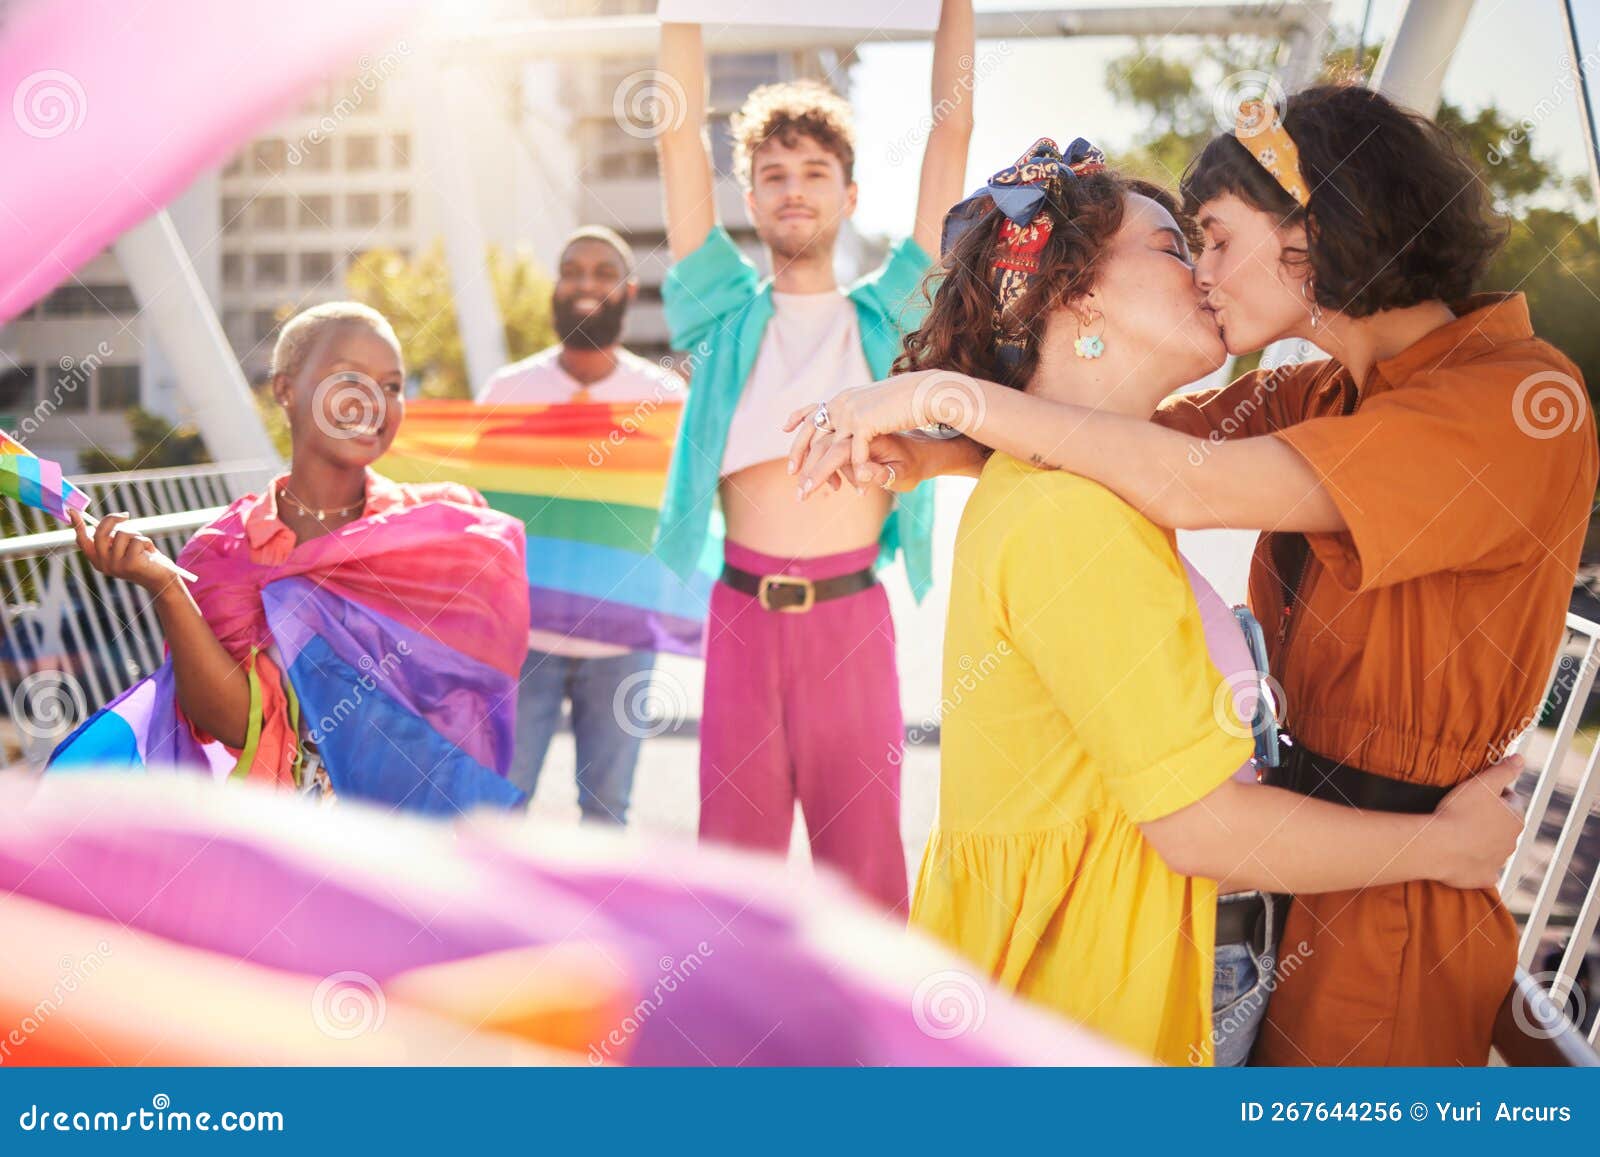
<point>1091,345</point>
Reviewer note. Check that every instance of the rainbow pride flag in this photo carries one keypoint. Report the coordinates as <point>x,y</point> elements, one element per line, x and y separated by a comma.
<point>585,480</point>
<point>36,482</point>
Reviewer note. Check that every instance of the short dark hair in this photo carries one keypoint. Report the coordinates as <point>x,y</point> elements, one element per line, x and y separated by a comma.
<point>1397,216</point>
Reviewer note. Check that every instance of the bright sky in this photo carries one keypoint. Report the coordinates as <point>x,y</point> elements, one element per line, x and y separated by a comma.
<point>1510,55</point>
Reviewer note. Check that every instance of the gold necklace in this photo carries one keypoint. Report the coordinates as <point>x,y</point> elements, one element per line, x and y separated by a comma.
<point>319,515</point>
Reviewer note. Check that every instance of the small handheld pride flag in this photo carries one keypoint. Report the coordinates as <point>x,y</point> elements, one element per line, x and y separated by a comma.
<point>38,483</point>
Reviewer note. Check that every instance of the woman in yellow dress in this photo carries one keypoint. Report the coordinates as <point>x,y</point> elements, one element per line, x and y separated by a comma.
<point>1091,796</point>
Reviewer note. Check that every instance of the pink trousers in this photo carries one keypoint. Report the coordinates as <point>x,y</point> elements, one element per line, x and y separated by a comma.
<point>806,706</point>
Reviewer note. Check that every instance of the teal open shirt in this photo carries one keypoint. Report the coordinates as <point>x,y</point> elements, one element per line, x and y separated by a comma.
<point>717,310</point>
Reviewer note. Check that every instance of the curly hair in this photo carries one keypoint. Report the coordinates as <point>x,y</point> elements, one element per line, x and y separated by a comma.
<point>958,331</point>
<point>787,112</point>
<point>1397,214</point>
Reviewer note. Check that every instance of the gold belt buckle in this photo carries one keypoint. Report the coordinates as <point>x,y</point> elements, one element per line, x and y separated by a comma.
<point>768,581</point>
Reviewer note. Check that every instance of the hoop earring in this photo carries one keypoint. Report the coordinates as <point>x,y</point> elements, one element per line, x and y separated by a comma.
<point>1093,345</point>
<point>1308,291</point>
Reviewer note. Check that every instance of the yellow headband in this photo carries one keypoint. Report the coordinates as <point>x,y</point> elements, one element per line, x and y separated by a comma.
<point>1259,129</point>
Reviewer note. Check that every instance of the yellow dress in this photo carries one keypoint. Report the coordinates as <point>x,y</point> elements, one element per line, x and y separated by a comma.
<point>1078,704</point>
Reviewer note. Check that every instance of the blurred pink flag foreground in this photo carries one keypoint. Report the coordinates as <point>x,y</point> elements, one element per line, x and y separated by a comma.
<point>113,108</point>
<point>164,919</point>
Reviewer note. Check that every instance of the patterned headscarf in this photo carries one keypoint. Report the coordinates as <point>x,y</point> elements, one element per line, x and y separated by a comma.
<point>1020,191</point>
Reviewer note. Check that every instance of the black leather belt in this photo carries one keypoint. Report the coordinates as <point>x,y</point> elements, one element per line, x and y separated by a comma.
<point>1307,773</point>
<point>1242,919</point>
<point>793,594</point>
<point>1304,772</point>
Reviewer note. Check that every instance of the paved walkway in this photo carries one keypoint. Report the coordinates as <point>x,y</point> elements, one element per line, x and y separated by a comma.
<point>666,794</point>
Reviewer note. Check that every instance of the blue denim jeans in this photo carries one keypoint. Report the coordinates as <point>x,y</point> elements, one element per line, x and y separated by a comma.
<point>606,738</point>
<point>1242,982</point>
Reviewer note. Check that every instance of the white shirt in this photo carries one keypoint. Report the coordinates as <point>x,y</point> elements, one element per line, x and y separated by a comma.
<point>810,351</point>
<point>540,380</point>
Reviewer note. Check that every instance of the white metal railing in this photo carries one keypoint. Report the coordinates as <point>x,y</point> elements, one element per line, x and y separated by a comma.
<point>1560,809</point>
<point>71,639</point>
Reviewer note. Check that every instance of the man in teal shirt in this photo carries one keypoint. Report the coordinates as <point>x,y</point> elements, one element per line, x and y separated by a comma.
<point>802,696</point>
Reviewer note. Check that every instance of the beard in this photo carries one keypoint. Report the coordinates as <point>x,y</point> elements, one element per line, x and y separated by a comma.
<point>789,246</point>
<point>589,331</point>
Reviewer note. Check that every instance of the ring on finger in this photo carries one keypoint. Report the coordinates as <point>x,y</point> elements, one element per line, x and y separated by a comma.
<point>819,419</point>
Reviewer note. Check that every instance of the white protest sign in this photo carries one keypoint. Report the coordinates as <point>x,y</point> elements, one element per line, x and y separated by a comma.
<point>913,15</point>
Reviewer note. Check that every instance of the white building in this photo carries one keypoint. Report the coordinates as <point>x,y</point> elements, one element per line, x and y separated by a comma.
<point>522,149</point>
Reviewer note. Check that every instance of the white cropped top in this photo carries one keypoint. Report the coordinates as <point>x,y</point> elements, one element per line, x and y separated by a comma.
<point>811,350</point>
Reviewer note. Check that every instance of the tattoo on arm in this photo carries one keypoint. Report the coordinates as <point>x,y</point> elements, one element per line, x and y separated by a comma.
<point>1038,460</point>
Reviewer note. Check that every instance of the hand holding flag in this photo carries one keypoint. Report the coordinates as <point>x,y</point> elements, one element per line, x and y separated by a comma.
<point>38,483</point>
<point>122,553</point>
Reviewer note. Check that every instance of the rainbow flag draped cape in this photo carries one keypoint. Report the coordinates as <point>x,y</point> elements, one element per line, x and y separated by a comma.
<point>394,644</point>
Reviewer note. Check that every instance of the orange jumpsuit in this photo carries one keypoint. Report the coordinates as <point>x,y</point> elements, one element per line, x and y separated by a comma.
<point>1418,645</point>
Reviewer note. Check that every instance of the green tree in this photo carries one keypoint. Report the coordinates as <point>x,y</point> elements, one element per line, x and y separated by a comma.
<point>415,296</point>
<point>157,444</point>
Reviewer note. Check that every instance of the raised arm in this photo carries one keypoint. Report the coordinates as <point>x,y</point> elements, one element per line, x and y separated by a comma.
<point>944,158</point>
<point>685,157</point>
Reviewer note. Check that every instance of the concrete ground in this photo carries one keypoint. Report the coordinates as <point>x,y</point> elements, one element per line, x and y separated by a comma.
<point>666,794</point>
